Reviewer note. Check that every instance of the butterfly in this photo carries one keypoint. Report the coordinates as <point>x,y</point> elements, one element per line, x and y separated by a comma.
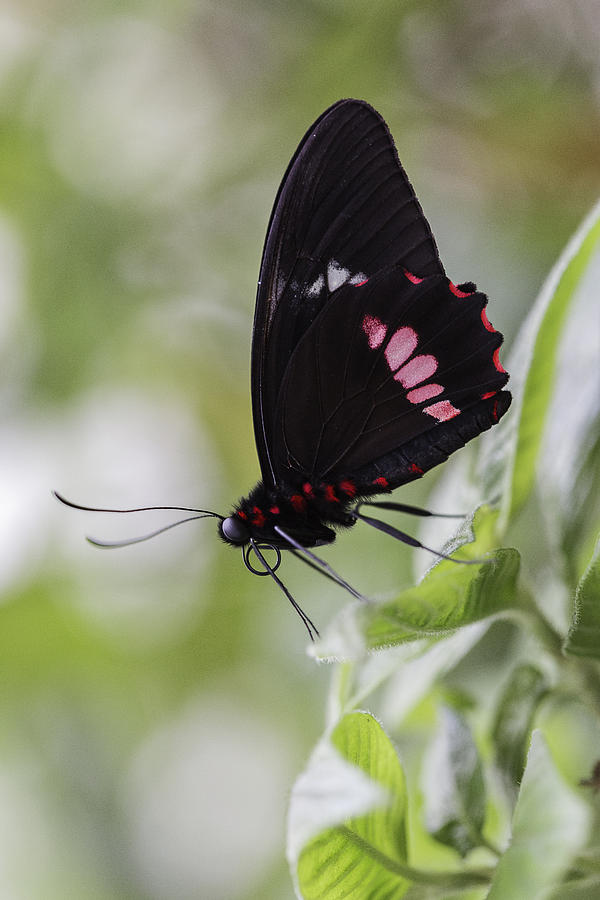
<point>369,366</point>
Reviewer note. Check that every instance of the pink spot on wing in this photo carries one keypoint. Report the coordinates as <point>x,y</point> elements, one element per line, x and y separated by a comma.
<point>400,346</point>
<point>417,370</point>
<point>486,322</point>
<point>414,278</point>
<point>496,360</point>
<point>425,392</point>
<point>457,291</point>
<point>375,331</point>
<point>441,411</point>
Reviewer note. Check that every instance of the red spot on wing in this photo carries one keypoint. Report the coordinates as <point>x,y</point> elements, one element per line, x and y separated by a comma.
<point>298,502</point>
<point>488,395</point>
<point>457,291</point>
<point>496,359</point>
<point>417,470</point>
<point>423,393</point>
<point>375,331</point>
<point>348,487</point>
<point>416,370</point>
<point>381,482</point>
<point>486,322</point>
<point>330,494</point>
<point>442,411</point>
<point>495,411</point>
<point>414,278</point>
<point>360,283</point>
<point>400,347</point>
<point>259,517</point>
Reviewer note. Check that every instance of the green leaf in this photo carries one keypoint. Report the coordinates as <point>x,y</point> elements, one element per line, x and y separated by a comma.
<point>583,638</point>
<point>510,454</point>
<point>347,822</point>
<point>583,889</point>
<point>407,673</point>
<point>453,785</point>
<point>550,825</point>
<point>449,596</point>
<point>568,463</point>
<point>514,718</point>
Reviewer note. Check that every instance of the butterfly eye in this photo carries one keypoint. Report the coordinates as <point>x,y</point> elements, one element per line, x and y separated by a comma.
<point>234,531</point>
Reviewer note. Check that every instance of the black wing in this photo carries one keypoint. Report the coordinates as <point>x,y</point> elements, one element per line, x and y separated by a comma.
<point>397,363</point>
<point>345,210</point>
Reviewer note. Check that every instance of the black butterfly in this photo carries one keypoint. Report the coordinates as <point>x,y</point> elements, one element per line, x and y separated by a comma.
<point>369,366</point>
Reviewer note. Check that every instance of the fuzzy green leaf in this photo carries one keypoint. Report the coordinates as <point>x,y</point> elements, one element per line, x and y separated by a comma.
<point>355,846</point>
<point>514,718</point>
<point>453,785</point>
<point>550,826</point>
<point>568,462</point>
<point>583,638</point>
<point>510,454</point>
<point>582,889</point>
<point>449,596</point>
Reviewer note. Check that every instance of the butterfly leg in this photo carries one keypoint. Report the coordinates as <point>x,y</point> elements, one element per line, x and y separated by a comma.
<point>309,624</point>
<point>407,538</point>
<point>315,562</point>
<point>406,508</point>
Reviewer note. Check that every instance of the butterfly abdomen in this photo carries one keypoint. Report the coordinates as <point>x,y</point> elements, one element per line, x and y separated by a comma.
<point>305,508</point>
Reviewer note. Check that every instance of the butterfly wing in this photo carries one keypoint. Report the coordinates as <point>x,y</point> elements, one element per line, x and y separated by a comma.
<point>345,210</point>
<point>390,374</point>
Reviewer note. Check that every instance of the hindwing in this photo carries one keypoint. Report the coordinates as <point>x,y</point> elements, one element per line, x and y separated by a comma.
<point>384,363</point>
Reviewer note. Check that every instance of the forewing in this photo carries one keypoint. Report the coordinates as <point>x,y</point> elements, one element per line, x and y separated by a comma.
<point>345,210</point>
<point>383,364</point>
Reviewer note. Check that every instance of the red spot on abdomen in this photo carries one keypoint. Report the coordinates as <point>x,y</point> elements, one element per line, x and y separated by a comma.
<point>308,490</point>
<point>381,482</point>
<point>242,515</point>
<point>275,510</point>
<point>457,291</point>
<point>259,517</point>
<point>298,502</point>
<point>348,487</point>
<point>330,494</point>
<point>415,469</point>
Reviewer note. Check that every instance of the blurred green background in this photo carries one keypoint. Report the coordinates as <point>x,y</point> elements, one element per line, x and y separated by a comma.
<point>156,703</point>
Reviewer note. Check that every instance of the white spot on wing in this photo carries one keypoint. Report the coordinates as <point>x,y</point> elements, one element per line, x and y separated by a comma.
<point>316,287</point>
<point>336,275</point>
